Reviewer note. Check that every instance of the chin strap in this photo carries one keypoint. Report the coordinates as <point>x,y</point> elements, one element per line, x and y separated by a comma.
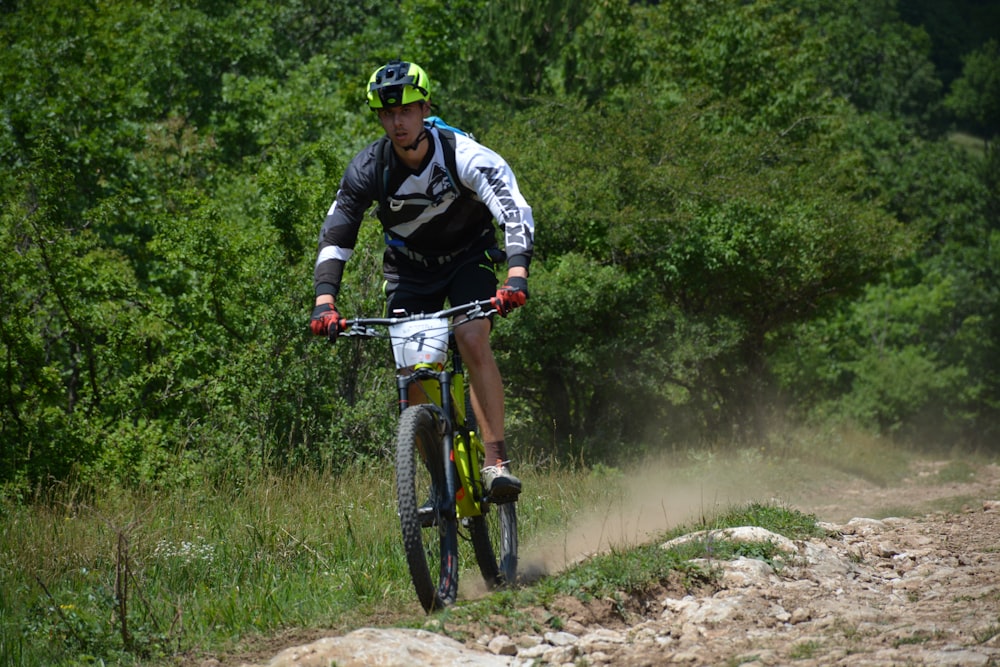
<point>416,143</point>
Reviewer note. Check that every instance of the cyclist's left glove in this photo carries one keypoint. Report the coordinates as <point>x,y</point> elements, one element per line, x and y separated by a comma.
<point>325,321</point>
<point>513,294</point>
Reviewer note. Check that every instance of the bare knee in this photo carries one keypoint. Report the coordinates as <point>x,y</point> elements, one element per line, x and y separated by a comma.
<point>473,340</point>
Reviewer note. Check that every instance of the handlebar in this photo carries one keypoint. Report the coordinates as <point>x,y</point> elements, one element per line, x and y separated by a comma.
<point>362,326</point>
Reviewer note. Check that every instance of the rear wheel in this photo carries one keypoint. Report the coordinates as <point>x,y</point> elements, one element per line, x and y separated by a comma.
<point>432,551</point>
<point>494,540</point>
<point>493,533</point>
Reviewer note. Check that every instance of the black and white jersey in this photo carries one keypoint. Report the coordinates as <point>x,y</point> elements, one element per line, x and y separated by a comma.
<point>429,212</point>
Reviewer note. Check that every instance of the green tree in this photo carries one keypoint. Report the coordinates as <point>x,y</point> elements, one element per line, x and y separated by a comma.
<point>756,57</point>
<point>487,58</point>
<point>916,355</point>
<point>783,60</point>
<point>874,60</point>
<point>69,306</point>
<point>739,234</point>
<point>955,28</point>
<point>975,96</point>
<point>706,177</point>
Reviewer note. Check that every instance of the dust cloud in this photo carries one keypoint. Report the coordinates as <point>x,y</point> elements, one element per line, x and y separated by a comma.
<point>655,500</point>
<point>659,497</point>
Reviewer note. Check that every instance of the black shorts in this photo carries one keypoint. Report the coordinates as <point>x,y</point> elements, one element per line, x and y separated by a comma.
<point>472,279</point>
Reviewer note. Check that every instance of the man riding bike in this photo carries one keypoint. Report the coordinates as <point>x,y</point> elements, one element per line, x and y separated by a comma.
<point>440,195</point>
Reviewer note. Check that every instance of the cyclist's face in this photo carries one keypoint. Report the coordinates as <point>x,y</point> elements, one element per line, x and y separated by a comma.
<point>404,123</point>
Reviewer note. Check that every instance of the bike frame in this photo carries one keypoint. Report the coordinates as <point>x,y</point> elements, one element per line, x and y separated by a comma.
<point>445,389</point>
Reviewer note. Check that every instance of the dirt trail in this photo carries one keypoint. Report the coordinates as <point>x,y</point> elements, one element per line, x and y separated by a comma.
<point>654,505</point>
<point>923,590</point>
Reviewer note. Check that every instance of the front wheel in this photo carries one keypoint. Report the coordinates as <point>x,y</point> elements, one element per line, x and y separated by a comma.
<point>430,537</point>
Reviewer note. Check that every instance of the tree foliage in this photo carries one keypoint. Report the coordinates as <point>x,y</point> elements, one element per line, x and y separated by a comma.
<point>729,196</point>
<point>916,354</point>
<point>740,237</point>
<point>975,96</point>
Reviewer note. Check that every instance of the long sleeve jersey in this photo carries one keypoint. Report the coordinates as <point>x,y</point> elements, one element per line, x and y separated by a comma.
<point>429,212</point>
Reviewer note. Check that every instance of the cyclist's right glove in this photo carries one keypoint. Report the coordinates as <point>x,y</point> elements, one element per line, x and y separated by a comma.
<point>325,321</point>
<point>513,294</point>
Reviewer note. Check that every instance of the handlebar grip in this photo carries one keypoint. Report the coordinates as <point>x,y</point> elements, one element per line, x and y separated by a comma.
<point>336,327</point>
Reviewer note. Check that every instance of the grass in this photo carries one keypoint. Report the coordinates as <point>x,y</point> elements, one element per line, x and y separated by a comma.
<point>984,635</point>
<point>136,577</point>
<point>971,144</point>
<point>776,518</point>
<point>146,576</point>
<point>141,575</point>
<point>633,570</point>
<point>869,457</point>
<point>917,638</point>
<point>954,472</point>
<point>805,650</point>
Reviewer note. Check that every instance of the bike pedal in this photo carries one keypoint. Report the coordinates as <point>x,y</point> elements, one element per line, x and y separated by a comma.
<point>502,499</point>
<point>427,517</point>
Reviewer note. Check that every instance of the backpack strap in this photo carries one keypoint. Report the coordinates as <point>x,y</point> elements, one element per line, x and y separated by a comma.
<point>382,174</point>
<point>436,121</point>
<point>450,163</point>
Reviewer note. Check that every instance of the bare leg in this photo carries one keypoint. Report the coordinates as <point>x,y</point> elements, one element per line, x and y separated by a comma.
<point>486,389</point>
<point>485,383</point>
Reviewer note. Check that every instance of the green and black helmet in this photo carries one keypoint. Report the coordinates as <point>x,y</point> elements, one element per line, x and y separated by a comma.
<point>398,83</point>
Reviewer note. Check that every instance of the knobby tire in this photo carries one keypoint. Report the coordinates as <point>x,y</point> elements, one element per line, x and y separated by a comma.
<point>494,533</point>
<point>494,541</point>
<point>431,553</point>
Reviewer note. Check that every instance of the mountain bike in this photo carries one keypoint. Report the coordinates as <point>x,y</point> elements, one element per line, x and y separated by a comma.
<point>439,456</point>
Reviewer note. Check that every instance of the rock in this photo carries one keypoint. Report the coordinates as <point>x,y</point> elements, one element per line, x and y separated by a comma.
<point>502,645</point>
<point>885,550</point>
<point>739,534</point>
<point>533,652</point>
<point>558,655</point>
<point>800,615</point>
<point>560,638</point>
<point>865,527</point>
<point>386,648</point>
<point>957,658</point>
<point>744,572</point>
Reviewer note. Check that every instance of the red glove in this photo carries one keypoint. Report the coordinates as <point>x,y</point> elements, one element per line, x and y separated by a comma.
<point>513,294</point>
<point>325,321</point>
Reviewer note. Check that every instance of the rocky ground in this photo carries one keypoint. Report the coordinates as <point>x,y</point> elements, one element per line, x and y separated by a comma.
<point>922,590</point>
